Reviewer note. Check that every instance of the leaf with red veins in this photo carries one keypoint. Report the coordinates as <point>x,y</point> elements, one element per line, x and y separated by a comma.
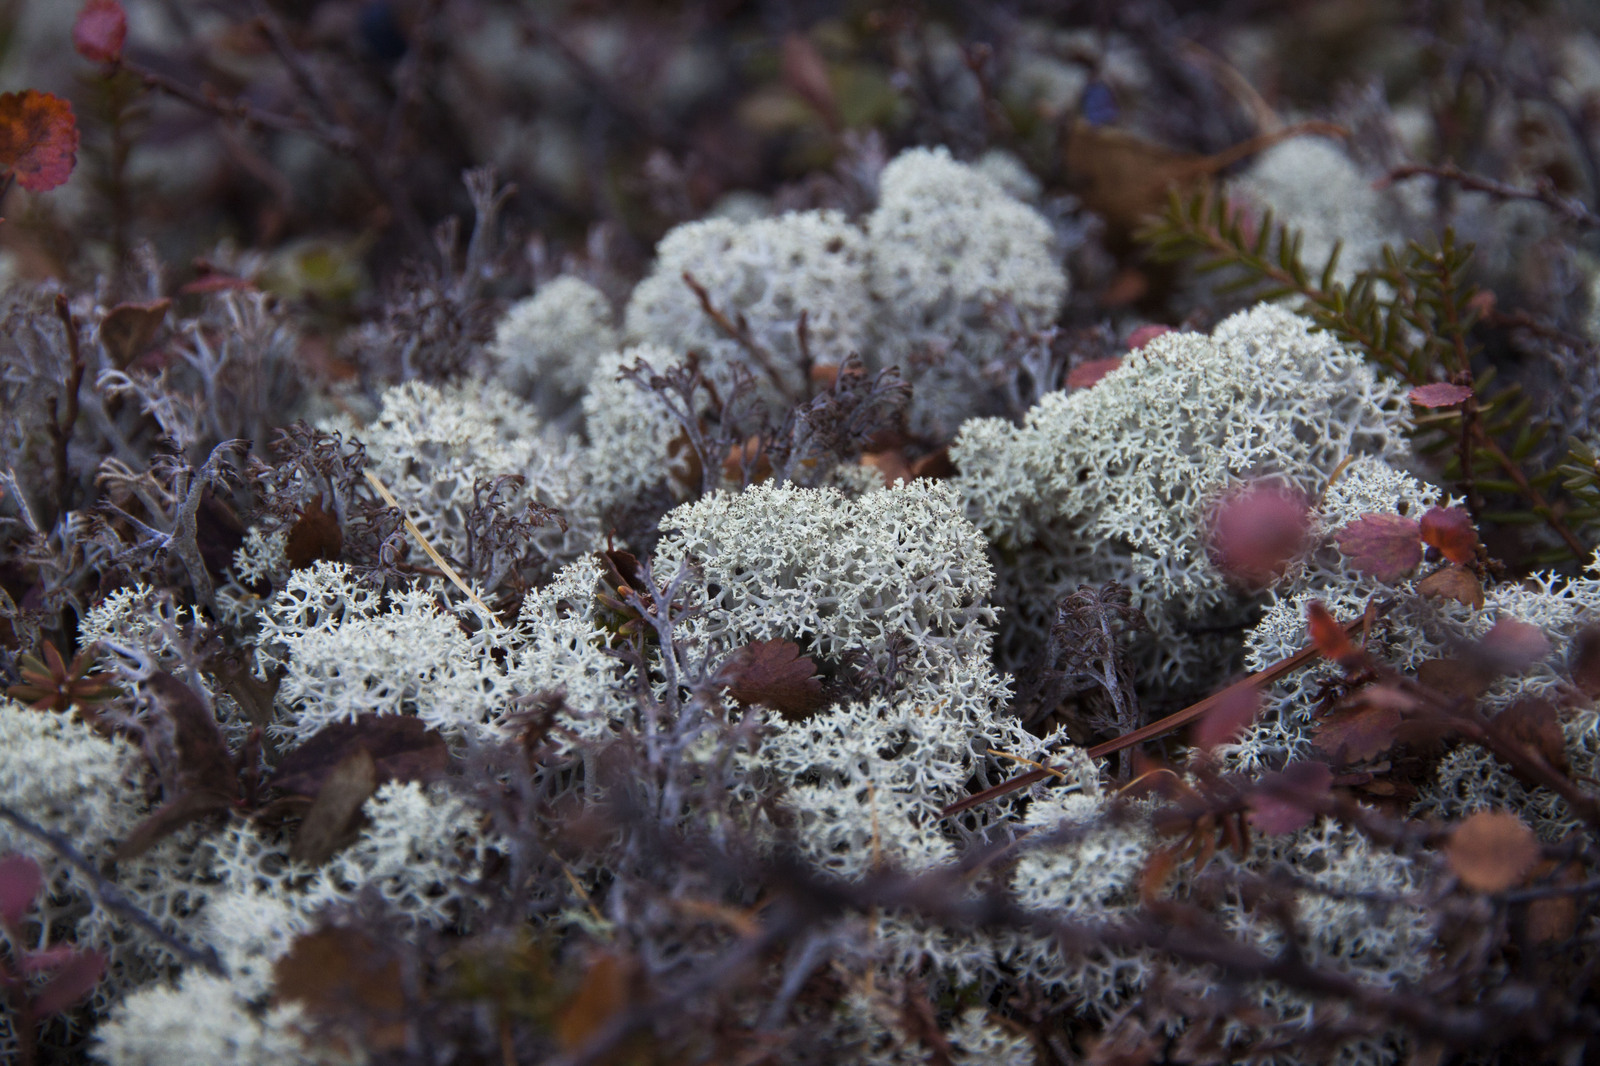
<point>1440,394</point>
<point>1450,530</point>
<point>100,31</point>
<point>38,139</point>
<point>1383,546</point>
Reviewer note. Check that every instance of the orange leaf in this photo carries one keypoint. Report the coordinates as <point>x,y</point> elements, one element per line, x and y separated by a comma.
<point>1329,636</point>
<point>1450,530</point>
<point>101,28</point>
<point>1491,850</point>
<point>605,991</point>
<point>38,139</point>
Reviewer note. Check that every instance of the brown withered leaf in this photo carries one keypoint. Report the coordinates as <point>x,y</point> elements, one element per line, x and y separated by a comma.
<point>806,72</point>
<point>1384,546</point>
<point>1450,530</point>
<point>402,748</point>
<point>128,329</point>
<point>330,824</point>
<point>1583,661</point>
<point>1455,677</point>
<point>204,764</point>
<point>1491,851</point>
<point>1124,178</point>
<point>168,819</point>
<point>774,674</point>
<point>1158,868</point>
<point>315,535</point>
<point>1358,733</point>
<point>1439,394</point>
<point>1535,724</point>
<point>890,464</point>
<point>1454,583</point>
<point>345,978</point>
<point>608,987</point>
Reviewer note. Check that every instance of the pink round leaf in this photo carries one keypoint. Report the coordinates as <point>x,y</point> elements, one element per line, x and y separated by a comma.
<point>100,31</point>
<point>1440,394</point>
<point>1384,546</point>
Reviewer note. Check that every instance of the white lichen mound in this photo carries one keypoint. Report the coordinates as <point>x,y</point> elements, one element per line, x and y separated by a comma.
<point>957,265</point>
<point>1124,475</point>
<point>765,273</point>
<point>547,344</point>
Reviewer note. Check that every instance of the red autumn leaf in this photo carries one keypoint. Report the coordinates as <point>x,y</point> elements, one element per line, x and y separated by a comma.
<point>1286,801</point>
<point>1512,645</point>
<point>773,673</point>
<point>20,883</point>
<point>1583,661</point>
<point>1329,636</point>
<point>70,983</point>
<point>1384,546</point>
<point>1359,733</point>
<point>1454,583</point>
<point>1439,394</point>
<point>1144,335</point>
<point>1491,850</point>
<point>38,139</point>
<point>1085,375</point>
<point>1450,530</point>
<point>401,746</point>
<point>1256,530</point>
<point>101,28</point>
<point>1225,722</point>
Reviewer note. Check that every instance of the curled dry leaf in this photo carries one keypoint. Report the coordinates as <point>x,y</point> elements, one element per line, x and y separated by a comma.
<point>1440,394</point>
<point>774,674</point>
<point>1491,851</point>
<point>1450,530</point>
<point>128,329</point>
<point>330,824</point>
<point>38,139</point>
<point>1384,546</point>
<point>315,535</point>
<point>1453,583</point>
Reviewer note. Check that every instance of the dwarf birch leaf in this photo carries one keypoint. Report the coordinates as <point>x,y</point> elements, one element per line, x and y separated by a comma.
<point>1439,394</point>
<point>773,673</point>
<point>38,139</point>
<point>1491,850</point>
<point>100,31</point>
<point>1450,530</point>
<point>1384,546</point>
